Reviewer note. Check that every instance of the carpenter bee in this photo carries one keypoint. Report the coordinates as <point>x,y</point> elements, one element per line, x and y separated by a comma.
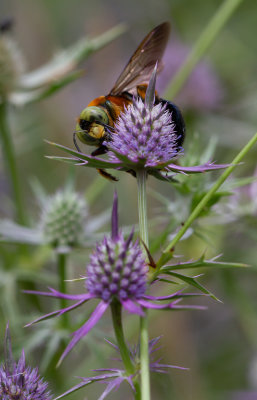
<point>95,123</point>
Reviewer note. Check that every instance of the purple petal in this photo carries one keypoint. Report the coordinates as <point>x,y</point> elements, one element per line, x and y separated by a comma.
<point>83,331</point>
<point>133,308</point>
<point>197,168</point>
<point>149,304</point>
<point>152,343</point>
<point>130,381</point>
<point>104,376</point>
<point>58,295</point>
<point>57,312</point>
<point>160,297</point>
<point>87,381</point>
<point>171,306</point>
<point>112,344</point>
<point>116,370</point>
<point>115,227</point>
<point>156,367</point>
<point>74,388</point>
<point>128,241</point>
<point>112,385</point>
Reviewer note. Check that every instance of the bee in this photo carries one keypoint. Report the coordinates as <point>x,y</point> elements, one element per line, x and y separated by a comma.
<point>96,122</point>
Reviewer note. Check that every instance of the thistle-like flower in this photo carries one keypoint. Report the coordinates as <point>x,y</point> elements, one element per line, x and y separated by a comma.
<point>117,271</point>
<point>64,224</point>
<point>18,382</point>
<point>63,220</point>
<point>144,137</point>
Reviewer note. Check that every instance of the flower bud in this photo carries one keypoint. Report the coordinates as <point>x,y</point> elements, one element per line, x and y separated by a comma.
<point>11,65</point>
<point>63,220</point>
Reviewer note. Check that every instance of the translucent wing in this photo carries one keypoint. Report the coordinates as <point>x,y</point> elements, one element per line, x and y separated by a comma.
<point>141,64</point>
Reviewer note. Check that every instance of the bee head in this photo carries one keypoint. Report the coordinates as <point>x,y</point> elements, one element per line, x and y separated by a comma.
<point>90,127</point>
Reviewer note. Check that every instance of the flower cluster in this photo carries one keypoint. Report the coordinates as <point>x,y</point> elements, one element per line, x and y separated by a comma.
<point>145,136</point>
<point>118,269</point>
<point>117,272</point>
<point>18,382</point>
<point>63,220</point>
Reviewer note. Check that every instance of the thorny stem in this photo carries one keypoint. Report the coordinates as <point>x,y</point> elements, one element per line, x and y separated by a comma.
<point>202,44</point>
<point>143,229</point>
<point>8,152</point>
<point>124,352</point>
<point>168,252</point>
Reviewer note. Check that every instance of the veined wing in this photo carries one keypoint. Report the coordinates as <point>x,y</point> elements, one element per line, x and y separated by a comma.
<point>141,64</point>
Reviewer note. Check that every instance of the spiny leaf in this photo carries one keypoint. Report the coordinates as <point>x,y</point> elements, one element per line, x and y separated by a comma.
<point>201,262</point>
<point>192,281</point>
<point>93,162</point>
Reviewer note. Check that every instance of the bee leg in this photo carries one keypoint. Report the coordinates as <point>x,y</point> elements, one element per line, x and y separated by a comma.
<point>132,172</point>
<point>102,150</point>
<point>75,143</point>
<point>106,175</point>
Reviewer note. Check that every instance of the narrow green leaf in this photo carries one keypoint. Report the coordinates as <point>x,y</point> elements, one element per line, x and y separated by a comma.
<point>203,263</point>
<point>192,281</point>
<point>92,162</point>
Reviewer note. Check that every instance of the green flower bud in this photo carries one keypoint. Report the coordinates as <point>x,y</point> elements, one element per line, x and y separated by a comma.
<point>63,220</point>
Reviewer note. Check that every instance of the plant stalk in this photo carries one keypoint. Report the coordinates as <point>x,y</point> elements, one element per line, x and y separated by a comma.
<point>62,274</point>
<point>10,160</point>
<point>143,229</point>
<point>168,252</point>
<point>124,352</point>
<point>205,40</point>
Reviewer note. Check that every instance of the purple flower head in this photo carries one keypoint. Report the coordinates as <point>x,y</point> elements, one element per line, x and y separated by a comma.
<point>18,382</point>
<point>117,269</point>
<point>117,272</point>
<point>145,136</point>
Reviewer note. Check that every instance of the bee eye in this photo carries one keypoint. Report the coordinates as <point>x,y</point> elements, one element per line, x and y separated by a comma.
<point>93,114</point>
<point>84,124</point>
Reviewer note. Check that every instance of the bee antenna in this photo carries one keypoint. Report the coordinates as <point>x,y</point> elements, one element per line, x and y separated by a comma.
<point>109,128</point>
<point>75,142</point>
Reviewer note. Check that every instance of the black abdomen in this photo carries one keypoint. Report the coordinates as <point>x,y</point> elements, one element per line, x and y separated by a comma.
<point>177,119</point>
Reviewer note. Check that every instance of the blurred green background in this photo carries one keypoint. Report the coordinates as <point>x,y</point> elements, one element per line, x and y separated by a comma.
<point>218,345</point>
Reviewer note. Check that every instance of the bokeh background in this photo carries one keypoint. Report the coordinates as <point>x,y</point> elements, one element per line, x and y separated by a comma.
<point>219,105</point>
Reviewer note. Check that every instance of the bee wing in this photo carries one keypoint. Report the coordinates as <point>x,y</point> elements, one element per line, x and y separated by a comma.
<point>141,64</point>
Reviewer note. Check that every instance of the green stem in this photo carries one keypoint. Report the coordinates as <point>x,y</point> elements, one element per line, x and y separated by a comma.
<point>8,152</point>
<point>124,352</point>
<point>168,252</point>
<point>144,352</point>
<point>142,209</point>
<point>202,44</point>
<point>62,274</point>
